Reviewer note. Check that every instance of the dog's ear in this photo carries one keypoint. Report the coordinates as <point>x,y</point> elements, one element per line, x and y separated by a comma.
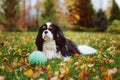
<point>60,39</point>
<point>39,41</point>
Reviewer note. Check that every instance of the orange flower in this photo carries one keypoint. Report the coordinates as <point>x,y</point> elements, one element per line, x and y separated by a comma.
<point>76,55</point>
<point>83,75</point>
<point>77,68</point>
<point>110,61</point>
<point>29,73</point>
<point>50,74</point>
<point>36,74</point>
<point>102,48</point>
<point>64,71</point>
<point>102,68</point>
<point>118,51</point>
<point>22,60</point>
<point>89,60</point>
<point>107,78</point>
<point>104,73</point>
<point>67,70</point>
<point>19,51</point>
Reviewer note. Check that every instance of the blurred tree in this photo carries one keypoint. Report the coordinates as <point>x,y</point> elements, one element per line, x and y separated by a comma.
<point>49,12</point>
<point>10,14</point>
<point>37,15</point>
<point>24,13</point>
<point>115,12</point>
<point>101,21</point>
<point>33,21</point>
<point>81,13</point>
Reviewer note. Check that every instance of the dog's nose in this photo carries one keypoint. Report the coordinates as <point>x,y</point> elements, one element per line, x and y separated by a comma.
<point>46,32</point>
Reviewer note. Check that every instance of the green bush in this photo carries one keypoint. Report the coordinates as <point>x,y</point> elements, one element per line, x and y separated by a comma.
<point>114,27</point>
<point>49,12</point>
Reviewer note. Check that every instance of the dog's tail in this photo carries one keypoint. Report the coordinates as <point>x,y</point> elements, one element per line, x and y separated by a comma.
<point>85,49</point>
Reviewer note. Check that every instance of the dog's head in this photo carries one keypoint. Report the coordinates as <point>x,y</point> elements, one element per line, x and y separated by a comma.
<point>47,32</point>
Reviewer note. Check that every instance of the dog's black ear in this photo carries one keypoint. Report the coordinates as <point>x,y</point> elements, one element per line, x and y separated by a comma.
<point>60,39</point>
<point>39,41</point>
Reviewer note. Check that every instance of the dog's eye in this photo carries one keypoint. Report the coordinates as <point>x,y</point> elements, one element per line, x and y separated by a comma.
<point>44,27</point>
<point>50,28</point>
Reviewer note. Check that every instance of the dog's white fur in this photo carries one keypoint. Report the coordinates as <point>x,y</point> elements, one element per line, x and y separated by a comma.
<point>48,24</point>
<point>49,48</point>
<point>85,49</point>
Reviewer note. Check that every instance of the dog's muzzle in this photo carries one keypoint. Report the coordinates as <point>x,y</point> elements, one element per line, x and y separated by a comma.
<point>47,35</point>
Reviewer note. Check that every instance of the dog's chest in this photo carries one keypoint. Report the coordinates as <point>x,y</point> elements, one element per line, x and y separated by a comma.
<point>49,49</point>
<point>49,46</point>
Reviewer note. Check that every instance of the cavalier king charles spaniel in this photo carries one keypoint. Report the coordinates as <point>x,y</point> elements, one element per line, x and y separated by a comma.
<point>52,42</point>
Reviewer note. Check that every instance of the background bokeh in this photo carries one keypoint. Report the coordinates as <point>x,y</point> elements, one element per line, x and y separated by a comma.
<point>77,15</point>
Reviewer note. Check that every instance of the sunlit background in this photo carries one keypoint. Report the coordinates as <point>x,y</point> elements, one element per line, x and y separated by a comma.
<point>78,15</point>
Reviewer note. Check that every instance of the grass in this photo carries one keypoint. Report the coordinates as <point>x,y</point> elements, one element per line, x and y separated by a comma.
<point>15,48</point>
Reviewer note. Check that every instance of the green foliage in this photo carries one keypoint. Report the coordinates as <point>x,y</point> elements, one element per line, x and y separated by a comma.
<point>115,12</point>
<point>114,27</point>
<point>101,21</point>
<point>49,13</point>
<point>10,15</point>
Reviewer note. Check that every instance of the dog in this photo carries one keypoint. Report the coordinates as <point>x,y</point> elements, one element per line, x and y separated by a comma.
<point>52,42</point>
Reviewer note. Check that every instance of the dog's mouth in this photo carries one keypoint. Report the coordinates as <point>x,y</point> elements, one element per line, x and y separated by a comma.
<point>47,38</point>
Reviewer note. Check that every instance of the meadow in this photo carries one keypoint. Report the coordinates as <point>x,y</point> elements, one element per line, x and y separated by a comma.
<point>15,47</point>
